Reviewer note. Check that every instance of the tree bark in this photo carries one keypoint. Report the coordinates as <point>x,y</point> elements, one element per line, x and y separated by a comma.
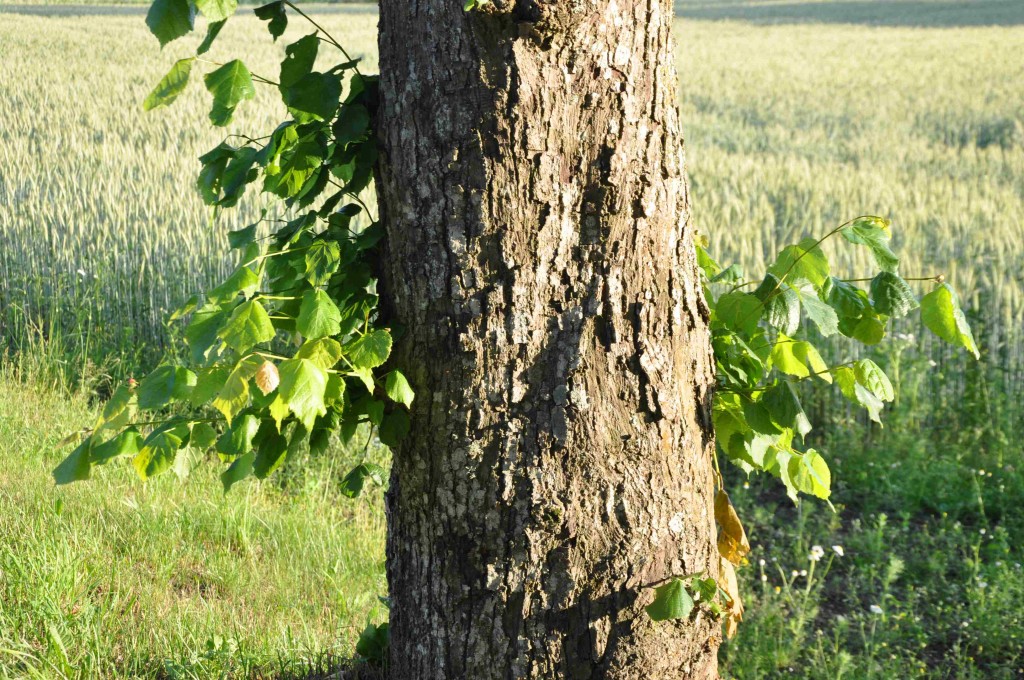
<point>540,257</point>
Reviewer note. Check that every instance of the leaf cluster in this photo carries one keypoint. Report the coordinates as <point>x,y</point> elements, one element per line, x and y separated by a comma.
<point>288,350</point>
<point>763,352</point>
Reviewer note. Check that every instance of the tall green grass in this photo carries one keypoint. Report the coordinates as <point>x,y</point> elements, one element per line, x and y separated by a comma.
<point>116,579</point>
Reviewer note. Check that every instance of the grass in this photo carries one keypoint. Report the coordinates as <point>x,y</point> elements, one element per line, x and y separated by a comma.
<point>798,115</point>
<point>930,581</point>
<point>172,579</point>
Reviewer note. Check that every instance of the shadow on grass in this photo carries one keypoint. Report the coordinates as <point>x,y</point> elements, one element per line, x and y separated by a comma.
<point>925,13</point>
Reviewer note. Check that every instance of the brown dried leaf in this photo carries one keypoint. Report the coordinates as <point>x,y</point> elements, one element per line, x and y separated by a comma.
<point>734,607</point>
<point>267,378</point>
<point>732,539</point>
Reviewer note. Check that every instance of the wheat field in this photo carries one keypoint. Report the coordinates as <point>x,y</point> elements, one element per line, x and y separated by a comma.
<point>792,127</point>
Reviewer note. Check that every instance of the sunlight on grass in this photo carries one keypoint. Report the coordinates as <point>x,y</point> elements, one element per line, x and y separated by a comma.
<point>114,578</point>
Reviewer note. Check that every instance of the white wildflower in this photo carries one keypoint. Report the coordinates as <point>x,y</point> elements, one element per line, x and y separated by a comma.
<point>838,549</point>
<point>875,609</point>
<point>816,553</point>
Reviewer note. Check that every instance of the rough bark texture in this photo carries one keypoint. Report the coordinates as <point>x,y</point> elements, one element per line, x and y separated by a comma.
<point>541,260</point>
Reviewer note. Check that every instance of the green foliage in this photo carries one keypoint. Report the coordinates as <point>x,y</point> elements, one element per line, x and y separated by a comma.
<point>759,420</point>
<point>373,644</point>
<point>679,596</point>
<point>941,313</point>
<point>170,19</point>
<point>170,86</point>
<point>275,14</point>
<point>285,352</point>
<point>671,601</point>
<point>229,85</point>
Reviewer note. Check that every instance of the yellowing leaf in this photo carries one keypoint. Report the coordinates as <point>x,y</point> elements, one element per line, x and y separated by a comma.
<point>734,608</point>
<point>732,539</point>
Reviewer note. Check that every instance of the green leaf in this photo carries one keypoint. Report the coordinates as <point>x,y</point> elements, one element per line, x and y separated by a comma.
<point>874,233</point>
<point>823,316</point>
<point>739,312</point>
<point>781,304</point>
<point>353,483</point>
<point>369,350</point>
<point>299,59</point>
<point>212,31</point>
<point>870,330</point>
<point>892,295</point>
<point>671,601</point>
<point>707,264</point>
<point>941,313</point>
<point>373,643</point>
<point>186,461</point>
<point>798,358</point>
<point>322,259</point>
<point>325,352</point>
<point>335,391</point>
<point>706,588</point>
<point>209,382</point>
<point>352,124</point>
<point>170,86</point>
<point>393,428</point>
<point>757,418</point>
<point>164,385</point>
<point>372,408</point>
<point>850,302</point>
<point>398,389</point>
<point>241,238</point>
<point>237,471</point>
<point>296,165</point>
<point>126,443</point>
<point>119,409</point>
<point>731,274</point>
<point>856,393</point>
<point>785,409</point>
<point>270,455</point>
<point>319,317</point>
<point>234,395</point>
<point>226,172</point>
<point>76,467</point>
<point>809,473</point>
<point>871,376</point>
<point>170,19</point>
<point>237,440</point>
<point>316,94</point>
<point>160,449</point>
<point>216,10</point>
<point>302,387</point>
<point>274,13</point>
<point>229,85</point>
<point>203,436</point>
<point>365,376</point>
<point>804,261</point>
<point>243,281</point>
<point>250,325</point>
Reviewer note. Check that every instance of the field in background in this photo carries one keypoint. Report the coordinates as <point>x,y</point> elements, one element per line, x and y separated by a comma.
<point>798,116</point>
<point>791,129</point>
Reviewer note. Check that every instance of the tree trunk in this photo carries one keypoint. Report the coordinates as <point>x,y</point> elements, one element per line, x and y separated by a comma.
<point>540,256</point>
